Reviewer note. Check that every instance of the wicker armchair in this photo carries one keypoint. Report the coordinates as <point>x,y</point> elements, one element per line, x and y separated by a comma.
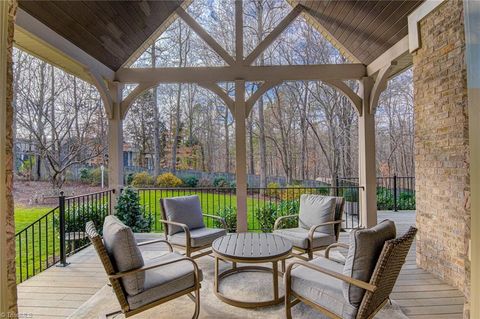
<point>174,268</point>
<point>307,240</point>
<point>184,227</point>
<point>332,288</point>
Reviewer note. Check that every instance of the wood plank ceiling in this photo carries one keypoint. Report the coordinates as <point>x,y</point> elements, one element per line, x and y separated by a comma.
<point>111,31</point>
<point>366,28</point>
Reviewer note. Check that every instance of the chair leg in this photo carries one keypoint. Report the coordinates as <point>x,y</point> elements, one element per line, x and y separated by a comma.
<point>310,254</point>
<point>288,305</point>
<point>110,314</point>
<point>197,304</point>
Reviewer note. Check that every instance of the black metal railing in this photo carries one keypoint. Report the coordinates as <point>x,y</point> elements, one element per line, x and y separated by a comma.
<point>264,205</point>
<point>393,192</point>
<point>59,233</point>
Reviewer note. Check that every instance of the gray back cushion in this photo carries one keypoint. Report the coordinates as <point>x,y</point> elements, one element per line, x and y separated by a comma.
<point>364,249</point>
<point>124,253</point>
<point>317,209</point>
<point>183,209</point>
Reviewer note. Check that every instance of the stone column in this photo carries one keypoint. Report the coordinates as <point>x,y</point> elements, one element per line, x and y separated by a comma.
<point>366,158</point>
<point>442,154</point>
<point>8,288</point>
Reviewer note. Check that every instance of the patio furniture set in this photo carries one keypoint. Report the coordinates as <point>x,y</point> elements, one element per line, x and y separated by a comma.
<point>357,289</point>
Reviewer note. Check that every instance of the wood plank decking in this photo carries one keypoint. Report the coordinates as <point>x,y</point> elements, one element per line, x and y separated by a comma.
<point>58,292</point>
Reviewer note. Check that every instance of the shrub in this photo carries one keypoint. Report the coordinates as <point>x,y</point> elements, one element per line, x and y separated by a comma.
<point>325,191</point>
<point>272,190</point>
<point>221,182</point>
<point>76,216</point>
<point>294,192</point>
<point>384,198</point>
<point>142,179</point>
<point>168,180</point>
<point>130,178</point>
<point>406,201</point>
<point>204,183</point>
<point>96,176</point>
<point>268,214</point>
<point>131,213</point>
<point>229,214</point>
<point>350,195</point>
<point>85,174</point>
<point>190,181</point>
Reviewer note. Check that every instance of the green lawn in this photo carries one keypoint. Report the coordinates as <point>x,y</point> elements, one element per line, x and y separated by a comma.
<point>24,216</point>
<point>212,203</point>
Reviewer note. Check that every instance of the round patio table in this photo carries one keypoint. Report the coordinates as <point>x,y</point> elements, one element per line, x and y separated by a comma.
<point>250,248</point>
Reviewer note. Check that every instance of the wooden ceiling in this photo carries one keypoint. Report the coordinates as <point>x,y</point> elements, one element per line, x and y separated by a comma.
<point>111,31</point>
<point>365,28</point>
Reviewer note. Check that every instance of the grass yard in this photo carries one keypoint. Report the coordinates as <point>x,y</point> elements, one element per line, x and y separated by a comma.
<point>212,203</point>
<point>24,216</point>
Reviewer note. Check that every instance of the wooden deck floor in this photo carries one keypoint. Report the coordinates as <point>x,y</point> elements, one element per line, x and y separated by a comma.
<point>58,292</point>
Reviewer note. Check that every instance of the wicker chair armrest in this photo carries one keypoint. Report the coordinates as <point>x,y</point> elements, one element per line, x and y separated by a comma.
<point>220,219</point>
<point>185,228</point>
<point>313,229</point>
<point>335,245</point>
<point>119,275</point>
<point>342,277</point>
<point>156,241</point>
<point>279,219</point>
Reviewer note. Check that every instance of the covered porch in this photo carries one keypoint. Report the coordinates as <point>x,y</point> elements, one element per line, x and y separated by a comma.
<point>441,277</point>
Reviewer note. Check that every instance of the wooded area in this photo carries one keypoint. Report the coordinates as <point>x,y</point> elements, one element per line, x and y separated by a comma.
<point>301,130</point>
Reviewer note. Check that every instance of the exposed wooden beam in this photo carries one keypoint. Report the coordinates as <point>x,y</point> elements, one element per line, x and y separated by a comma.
<point>396,51</point>
<point>128,100</point>
<point>104,92</point>
<point>239,31</point>
<point>247,73</point>
<point>272,36</point>
<point>205,36</point>
<point>379,86</point>
<point>258,93</point>
<point>221,94</point>
<point>414,19</point>
<point>47,35</point>
<point>352,96</point>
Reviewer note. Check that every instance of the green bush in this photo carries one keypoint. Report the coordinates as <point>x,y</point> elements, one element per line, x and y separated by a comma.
<point>220,182</point>
<point>229,214</point>
<point>294,192</point>
<point>190,181</point>
<point>168,180</point>
<point>76,216</point>
<point>142,179</point>
<point>130,178</point>
<point>272,190</point>
<point>384,198</point>
<point>350,194</point>
<point>268,214</point>
<point>406,201</point>
<point>325,191</point>
<point>85,175</point>
<point>131,213</point>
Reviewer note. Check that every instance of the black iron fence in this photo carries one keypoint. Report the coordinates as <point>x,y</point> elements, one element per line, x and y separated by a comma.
<point>59,233</point>
<point>393,192</point>
<point>264,205</point>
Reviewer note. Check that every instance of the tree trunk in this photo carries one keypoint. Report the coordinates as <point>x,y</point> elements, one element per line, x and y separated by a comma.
<point>177,129</point>
<point>9,212</point>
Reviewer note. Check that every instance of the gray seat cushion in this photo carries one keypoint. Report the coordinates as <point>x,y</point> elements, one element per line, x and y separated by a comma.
<point>317,209</point>
<point>183,209</point>
<point>165,280</point>
<point>364,249</point>
<point>299,237</point>
<point>124,253</point>
<point>198,237</point>
<point>322,289</point>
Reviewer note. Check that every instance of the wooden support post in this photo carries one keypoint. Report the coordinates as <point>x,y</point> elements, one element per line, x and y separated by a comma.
<point>241,155</point>
<point>366,157</point>
<point>472,16</point>
<point>115,140</point>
